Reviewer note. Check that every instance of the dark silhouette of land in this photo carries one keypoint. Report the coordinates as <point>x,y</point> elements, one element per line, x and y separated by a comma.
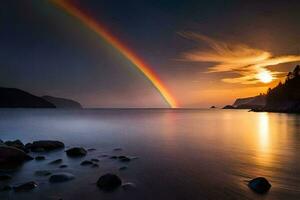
<point>62,102</point>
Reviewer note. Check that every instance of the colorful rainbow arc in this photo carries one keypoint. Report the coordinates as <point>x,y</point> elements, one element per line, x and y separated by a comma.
<point>130,55</point>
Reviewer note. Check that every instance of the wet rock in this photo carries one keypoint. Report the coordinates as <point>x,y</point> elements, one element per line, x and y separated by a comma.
<point>95,165</point>
<point>46,145</point>
<point>5,177</point>
<point>109,182</point>
<point>117,149</point>
<point>17,144</point>
<point>128,186</point>
<point>25,187</point>
<point>95,160</point>
<point>259,185</point>
<point>40,158</point>
<point>42,173</point>
<point>86,162</point>
<point>11,157</point>
<point>124,158</point>
<point>61,177</point>
<point>76,152</point>
<point>57,161</point>
<point>6,188</point>
<point>91,149</point>
<point>123,168</point>
<point>113,157</point>
<point>63,166</point>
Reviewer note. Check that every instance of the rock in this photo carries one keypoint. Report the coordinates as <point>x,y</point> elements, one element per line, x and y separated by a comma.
<point>259,185</point>
<point>6,188</point>
<point>11,157</point>
<point>123,168</point>
<point>124,158</point>
<point>86,162</point>
<point>5,177</point>
<point>91,149</point>
<point>63,166</point>
<point>95,160</point>
<point>113,157</point>
<point>228,107</point>
<point>25,187</point>
<point>76,152</point>
<point>128,186</point>
<point>17,144</point>
<point>117,149</point>
<point>57,161</point>
<point>95,165</point>
<point>46,145</point>
<point>61,177</point>
<point>43,173</point>
<point>109,182</point>
<point>1,142</point>
<point>40,158</point>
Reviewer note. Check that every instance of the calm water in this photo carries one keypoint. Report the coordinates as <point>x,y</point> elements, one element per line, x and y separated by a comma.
<point>182,154</point>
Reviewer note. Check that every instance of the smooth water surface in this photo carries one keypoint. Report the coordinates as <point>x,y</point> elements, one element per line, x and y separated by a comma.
<point>182,154</point>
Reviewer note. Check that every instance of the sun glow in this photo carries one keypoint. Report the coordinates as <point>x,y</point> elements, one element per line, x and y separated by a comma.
<point>265,76</point>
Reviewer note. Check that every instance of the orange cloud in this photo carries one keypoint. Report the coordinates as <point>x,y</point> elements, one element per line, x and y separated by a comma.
<point>240,59</point>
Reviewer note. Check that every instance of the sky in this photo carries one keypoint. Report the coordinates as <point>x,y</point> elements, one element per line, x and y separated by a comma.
<point>204,52</point>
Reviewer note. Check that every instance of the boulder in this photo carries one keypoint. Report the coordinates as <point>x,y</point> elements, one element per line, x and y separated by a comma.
<point>61,177</point>
<point>124,158</point>
<point>86,162</point>
<point>25,187</point>
<point>11,157</point>
<point>17,144</point>
<point>76,152</point>
<point>57,161</point>
<point>42,173</point>
<point>40,158</point>
<point>259,185</point>
<point>109,182</point>
<point>45,145</point>
<point>128,186</point>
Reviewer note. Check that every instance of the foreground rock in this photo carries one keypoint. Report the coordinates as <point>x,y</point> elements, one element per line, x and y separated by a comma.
<point>259,185</point>
<point>76,152</point>
<point>17,144</point>
<point>45,145</point>
<point>61,177</point>
<point>25,187</point>
<point>57,161</point>
<point>109,182</point>
<point>11,157</point>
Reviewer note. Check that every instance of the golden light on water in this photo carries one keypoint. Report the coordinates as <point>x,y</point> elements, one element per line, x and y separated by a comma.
<point>265,76</point>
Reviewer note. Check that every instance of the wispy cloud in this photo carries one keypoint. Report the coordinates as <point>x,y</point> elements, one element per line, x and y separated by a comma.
<point>239,59</point>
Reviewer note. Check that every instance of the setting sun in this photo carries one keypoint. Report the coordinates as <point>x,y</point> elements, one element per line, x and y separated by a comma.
<point>265,76</point>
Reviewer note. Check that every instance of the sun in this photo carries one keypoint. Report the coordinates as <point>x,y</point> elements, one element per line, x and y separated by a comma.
<point>265,76</point>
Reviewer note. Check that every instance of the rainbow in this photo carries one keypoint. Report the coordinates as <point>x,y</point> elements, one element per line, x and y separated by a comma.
<point>104,33</point>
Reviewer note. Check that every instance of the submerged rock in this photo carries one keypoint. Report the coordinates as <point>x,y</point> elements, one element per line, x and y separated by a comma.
<point>40,158</point>
<point>86,162</point>
<point>25,187</point>
<point>95,160</point>
<point>128,186</point>
<point>57,161</point>
<point>123,168</point>
<point>63,166</point>
<point>42,173</point>
<point>76,152</point>
<point>259,185</point>
<point>124,158</point>
<point>11,157</point>
<point>46,145</point>
<point>109,182</point>
<point>113,157</point>
<point>61,177</point>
